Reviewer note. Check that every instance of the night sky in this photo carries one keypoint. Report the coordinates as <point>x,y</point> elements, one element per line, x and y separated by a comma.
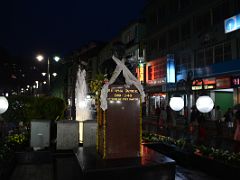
<point>58,26</point>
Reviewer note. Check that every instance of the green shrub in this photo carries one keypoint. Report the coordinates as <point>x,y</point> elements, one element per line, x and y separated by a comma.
<point>5,152</point>
<point>26,108</point>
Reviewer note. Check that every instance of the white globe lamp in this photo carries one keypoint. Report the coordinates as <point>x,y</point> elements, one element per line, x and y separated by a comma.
<point>176,103</point>
<point>3,104</point>
<point>204,104</point>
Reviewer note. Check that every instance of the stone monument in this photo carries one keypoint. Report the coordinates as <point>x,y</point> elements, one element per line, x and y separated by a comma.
<point>120,154</point>
<point>119,130</point>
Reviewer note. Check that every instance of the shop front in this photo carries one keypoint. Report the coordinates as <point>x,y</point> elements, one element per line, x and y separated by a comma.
<point>218,88</point>
<point>155,85</point>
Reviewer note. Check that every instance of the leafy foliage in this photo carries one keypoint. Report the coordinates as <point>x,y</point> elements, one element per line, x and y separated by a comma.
<point>97,83</point>
<point>25,108</point>
<point>5,151</point>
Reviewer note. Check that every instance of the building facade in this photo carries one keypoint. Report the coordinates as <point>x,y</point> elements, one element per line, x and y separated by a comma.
<point>192,34</point>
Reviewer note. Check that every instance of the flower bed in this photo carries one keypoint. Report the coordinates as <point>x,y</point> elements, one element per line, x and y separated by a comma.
<point>8,147</point>
<point>212,160</point>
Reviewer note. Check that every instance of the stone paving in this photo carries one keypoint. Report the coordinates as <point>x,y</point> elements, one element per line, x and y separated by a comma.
<point>33,172</point>
<point>191,174</point>
<point>67,169</point>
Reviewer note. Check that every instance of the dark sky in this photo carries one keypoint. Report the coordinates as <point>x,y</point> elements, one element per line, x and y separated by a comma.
<point>60,26</point>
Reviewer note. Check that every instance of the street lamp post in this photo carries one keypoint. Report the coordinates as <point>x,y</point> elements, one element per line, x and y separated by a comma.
<point>177,103</point>
<point>204,103</point>
<point>40,58</point>
<point>48,74</point>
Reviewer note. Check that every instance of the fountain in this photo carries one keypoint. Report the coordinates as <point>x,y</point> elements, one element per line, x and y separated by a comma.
<point>82,103</point>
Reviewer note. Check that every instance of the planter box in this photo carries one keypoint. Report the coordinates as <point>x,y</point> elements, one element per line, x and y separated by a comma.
<point>181,156</point>
<point>40,134</point>
<point>216,167</point>
<point>89,133</point>
<point>206,164</point>
<point>67,135</point>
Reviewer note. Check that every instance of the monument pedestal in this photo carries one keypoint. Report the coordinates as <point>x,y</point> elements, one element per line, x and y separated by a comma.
<point>151,165</point>
<point>120,129</point>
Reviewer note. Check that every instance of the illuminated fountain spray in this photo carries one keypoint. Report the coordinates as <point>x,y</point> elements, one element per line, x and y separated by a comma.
<point>82,102</point>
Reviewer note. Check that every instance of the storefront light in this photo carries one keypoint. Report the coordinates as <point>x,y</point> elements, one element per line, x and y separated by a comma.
<point>176,103</point>
<point>204,104</point>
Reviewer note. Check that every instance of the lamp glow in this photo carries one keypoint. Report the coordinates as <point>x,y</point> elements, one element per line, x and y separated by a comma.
<point>176,103</point>
<point>3,104</point>
<point>39,57</point>
<point>204,104</point>
<point>56,58</point>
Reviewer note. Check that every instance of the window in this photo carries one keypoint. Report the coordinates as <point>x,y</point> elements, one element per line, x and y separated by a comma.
<point>173,36</point>
<point>220,12</point>
<point>150,72</point>
<point>200,58</point>
<point>162,41</point>
<point>186,30</point>
<point>161,14</point>
<point>202,21</point>
<point>227,51</point>
<point>237,7</point>
<point>173,6</point>
<point>128,36</point>
<point>185,59</point>
<point>153,45</point>
<point>215,54</point>
<point>218,52</point>
<point>209,55</point>
<point>184,4</point>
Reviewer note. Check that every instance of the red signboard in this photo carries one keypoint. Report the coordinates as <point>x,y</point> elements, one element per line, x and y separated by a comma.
<point>156,71</point>
<point>236,81</point>
<point>223,83</point>
<point>208,84</point>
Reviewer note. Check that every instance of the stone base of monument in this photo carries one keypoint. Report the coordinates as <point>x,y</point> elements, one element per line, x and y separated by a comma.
<point>67,135</point>
<point>151,165</point>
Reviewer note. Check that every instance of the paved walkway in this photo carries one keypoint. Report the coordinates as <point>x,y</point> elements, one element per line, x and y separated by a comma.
<point>33,172</point>
<point>67,169</point>
<point>191,174</point>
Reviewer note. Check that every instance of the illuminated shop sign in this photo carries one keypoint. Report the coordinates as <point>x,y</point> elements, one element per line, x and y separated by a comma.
<point>170,69</point>
<point>209,83</point>
<point>141,72</point>
<point>156,71</point>
<point>208,86</point>
<point>223,83</point>
<point>232,23</point>
<point>157,81</point>
<point>236,81</point>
